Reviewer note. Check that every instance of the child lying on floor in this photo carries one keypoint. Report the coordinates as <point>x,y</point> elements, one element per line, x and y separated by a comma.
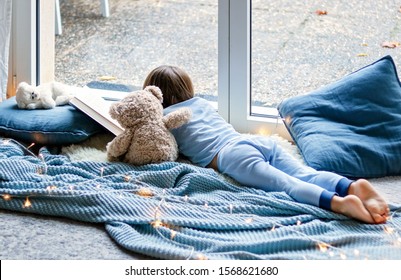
<point>209,141</point>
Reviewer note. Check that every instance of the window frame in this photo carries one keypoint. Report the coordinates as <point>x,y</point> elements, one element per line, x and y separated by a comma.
<point>32,43</point>
<point>234,74</point>
<point>23,45</point>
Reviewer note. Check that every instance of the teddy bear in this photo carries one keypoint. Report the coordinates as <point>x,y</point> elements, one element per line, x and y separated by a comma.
<point>147,137</point>
<point>44,96</point>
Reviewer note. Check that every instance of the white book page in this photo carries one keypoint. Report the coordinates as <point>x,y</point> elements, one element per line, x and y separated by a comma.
<point>95,106</point>
<point>110,95</point>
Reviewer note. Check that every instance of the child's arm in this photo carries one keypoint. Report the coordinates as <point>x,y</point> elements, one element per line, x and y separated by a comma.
<point>177,118</point>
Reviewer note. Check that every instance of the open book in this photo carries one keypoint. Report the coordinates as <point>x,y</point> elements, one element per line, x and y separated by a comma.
<point>96,103</point>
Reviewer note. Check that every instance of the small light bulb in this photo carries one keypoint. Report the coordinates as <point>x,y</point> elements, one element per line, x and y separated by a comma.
<point>264,132</point>
<point>27,203</point>
<point>157,223</point>
<point>201,257</point>
<point>145,192</point>
<point>288,119</point>
<point>388,230</point>
<point>30,146</point>
<point>323,247</point>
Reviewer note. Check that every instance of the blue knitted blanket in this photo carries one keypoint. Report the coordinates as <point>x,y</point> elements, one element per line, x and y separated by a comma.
<point>180,211</point>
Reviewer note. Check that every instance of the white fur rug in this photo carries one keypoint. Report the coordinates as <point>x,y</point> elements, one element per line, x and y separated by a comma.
<point>93,149</point>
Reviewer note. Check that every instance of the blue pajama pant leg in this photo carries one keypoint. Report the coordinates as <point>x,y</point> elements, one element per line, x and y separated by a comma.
<point>259,162</point>
<point>282,160</point>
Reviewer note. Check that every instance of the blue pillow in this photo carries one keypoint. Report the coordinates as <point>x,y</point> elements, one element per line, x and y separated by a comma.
<point>62,125</point>
<point>353,126</point>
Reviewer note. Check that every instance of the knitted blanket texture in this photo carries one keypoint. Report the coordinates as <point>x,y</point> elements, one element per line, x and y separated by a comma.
<point>180,211</point>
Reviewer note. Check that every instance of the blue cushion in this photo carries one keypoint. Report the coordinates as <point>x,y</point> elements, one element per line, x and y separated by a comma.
<point>59,126</point>
<point>352,126</point>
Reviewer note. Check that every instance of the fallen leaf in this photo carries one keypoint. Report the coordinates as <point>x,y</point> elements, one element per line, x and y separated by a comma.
<point>107,78</point>
<point>321,12</point>
<point>390,45</point>
<point>362,54</point>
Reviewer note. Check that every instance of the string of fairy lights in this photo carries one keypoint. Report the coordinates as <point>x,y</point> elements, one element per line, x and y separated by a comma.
<point>163,200</point>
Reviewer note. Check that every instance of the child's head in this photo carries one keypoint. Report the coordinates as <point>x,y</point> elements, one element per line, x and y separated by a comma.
<point>175,84</point>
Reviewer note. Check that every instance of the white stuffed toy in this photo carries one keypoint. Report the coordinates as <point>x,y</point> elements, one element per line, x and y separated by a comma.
<point>44,96</point>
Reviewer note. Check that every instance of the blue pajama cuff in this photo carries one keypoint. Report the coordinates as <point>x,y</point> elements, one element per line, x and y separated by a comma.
<point>341,190</point>
<point>343,186</point>
<point>325,199</point>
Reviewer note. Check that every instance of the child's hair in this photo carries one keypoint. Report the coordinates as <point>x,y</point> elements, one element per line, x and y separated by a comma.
<point>175,84</point>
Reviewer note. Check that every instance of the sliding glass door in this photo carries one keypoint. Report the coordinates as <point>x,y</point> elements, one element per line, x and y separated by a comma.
<point>215,44</point>
<point>236,104</point>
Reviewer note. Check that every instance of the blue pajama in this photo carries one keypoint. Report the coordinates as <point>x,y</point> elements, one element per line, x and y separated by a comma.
<point>259,162</point>
<point>252,161</point>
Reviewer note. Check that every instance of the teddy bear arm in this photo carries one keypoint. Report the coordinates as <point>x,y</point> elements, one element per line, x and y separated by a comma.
<point>177,118</point>
<point>119,145</point>
<point>48,102</point>
<point>62,100</point>
<point>32,106</point>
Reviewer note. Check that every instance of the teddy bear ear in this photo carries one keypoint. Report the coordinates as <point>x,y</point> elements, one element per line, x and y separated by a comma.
<point>114,110</point>
<point>23,88</point>
<point>155,91</point>
<point>23,85</point>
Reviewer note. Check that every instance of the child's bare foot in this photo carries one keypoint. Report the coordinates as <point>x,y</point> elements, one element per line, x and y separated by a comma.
<point>373,202</point>
<point>351,206</point>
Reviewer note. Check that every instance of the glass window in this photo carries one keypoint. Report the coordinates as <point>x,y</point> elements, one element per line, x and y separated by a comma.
<point>299,46</point>
<point>137,37</point>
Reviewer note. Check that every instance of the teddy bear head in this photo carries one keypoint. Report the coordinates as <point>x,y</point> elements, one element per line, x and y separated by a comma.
<point>139,106</point>
<point>27,93</point>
